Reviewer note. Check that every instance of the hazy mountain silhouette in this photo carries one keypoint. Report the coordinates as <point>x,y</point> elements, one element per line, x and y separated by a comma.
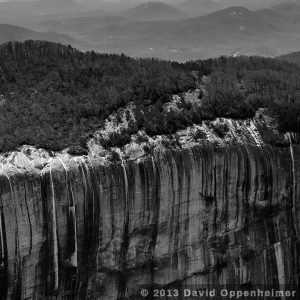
<point>51,16</point>
<point>157,29</point>
<point>235,29</point>
<point>81,25</point>
<point>233,19</point>
<point>199,7</point>
<point>153,11</point>
<point>287,14</point>
<point>16,33</point>
<point>286,7</point>
<point>252,4</point>
<point>202,7</point>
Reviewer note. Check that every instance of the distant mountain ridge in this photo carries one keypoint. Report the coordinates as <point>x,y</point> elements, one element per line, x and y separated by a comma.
<point>228,31</point>
<point>156,29</point>
<point>17,33</point>
<point>286,14</point>
<point>154,11</point>
<point>199,7</point>
<point>81,25</point>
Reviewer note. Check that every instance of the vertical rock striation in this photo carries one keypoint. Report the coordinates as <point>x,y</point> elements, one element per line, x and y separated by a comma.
<point>79,228</point>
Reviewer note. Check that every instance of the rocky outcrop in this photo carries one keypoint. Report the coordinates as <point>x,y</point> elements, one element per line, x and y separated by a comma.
<point>220,208</point>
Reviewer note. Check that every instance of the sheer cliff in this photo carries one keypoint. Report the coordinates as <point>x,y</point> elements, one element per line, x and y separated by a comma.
<point>218,206</point>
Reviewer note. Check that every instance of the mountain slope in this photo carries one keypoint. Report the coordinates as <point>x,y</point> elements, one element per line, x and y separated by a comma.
<point>66,95</point>
<point>16,33</point>
<point>293,57</point>
<point>233,19</point>
<point>287,14</point>
<point>202,7</point>
<point>153,11</point>
<point>80,25</point>
<point>156,29</point>
<point>199,7</point>
<point>228,31</point>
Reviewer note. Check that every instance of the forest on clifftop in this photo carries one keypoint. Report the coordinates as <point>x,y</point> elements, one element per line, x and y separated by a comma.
<point>53,96</point>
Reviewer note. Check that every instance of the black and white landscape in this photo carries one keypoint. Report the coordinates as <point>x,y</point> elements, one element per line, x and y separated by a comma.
<point>149,150</point>
<point>192,29</point>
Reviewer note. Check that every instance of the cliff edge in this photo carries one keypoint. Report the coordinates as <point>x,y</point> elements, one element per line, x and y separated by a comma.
<point>213,205</point>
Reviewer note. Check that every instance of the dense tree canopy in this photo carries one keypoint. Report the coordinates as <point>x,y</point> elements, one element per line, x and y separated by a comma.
<point>237,87</point>
<point>56,96</point>
<point>53,96</point>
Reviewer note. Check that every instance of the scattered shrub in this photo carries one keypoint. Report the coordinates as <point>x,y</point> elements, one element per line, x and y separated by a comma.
<point>147,149</point>
<point>141,139</point>
<point>221,129</point>
<point>116,139</point>
<point>77,150</point>
<point>200,135</point>
<point>114,157</point>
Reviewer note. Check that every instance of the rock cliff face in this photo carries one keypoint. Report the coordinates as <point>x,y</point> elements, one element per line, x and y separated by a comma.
<point>215,211</point>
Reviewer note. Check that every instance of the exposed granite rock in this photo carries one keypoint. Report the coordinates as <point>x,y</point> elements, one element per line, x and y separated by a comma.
<point>221,207</point>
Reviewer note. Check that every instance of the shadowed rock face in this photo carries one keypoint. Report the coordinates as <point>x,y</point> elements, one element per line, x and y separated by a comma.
<point>207,214</point>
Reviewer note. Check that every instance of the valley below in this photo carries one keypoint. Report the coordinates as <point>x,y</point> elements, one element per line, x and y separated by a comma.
<point>157,29</point>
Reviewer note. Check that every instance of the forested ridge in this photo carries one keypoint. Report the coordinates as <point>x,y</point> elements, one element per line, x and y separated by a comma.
<point>293,57</point>
<point>57,96</point>
<point>53,96</point>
